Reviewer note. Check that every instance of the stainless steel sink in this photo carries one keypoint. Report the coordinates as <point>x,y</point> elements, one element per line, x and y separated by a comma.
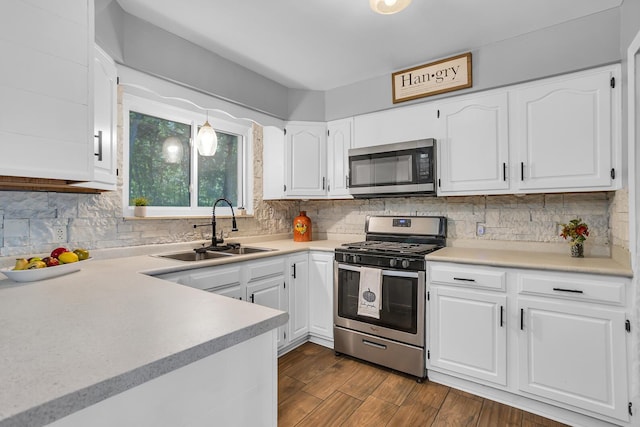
<point>201,256</point>
<point>194,256</point>
<point>245,250</point>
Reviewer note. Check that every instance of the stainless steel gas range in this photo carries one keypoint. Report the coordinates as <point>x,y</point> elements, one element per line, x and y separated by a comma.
<point>379,291</point>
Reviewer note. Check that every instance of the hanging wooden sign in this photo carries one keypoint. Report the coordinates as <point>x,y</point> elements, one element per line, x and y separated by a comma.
<point>430,79</point>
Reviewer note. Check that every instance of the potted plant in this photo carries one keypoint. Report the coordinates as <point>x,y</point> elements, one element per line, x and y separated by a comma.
<point>577,231</point>
<point>140,206</point>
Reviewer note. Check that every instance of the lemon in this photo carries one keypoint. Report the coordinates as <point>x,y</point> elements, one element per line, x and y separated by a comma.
<point>67,257</point>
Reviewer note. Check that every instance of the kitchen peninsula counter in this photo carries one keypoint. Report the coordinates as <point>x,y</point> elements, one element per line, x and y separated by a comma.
<point>71,341</point>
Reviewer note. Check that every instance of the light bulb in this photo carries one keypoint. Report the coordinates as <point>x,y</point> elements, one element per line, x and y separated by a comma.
<point>207,140</point>
<point>388,7</point>
<point>172,150</point>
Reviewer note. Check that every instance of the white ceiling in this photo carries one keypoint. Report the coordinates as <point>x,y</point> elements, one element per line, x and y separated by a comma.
<point>324,44</point>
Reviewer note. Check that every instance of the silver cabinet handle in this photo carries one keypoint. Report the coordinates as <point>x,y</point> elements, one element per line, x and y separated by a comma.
<point>99,153</point>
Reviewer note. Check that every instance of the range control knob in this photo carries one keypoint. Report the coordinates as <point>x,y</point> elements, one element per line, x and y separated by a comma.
<point>393,262</point>
<point>405,263</point>
<point>355,259</point>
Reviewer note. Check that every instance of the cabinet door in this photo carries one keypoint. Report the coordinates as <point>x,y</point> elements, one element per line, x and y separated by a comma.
<point>298,296</point>
<point>468,333</point>
<point>473,146</point>
<point>273,158</point>
<point>574,353</point>
<point>321,294</point>
<point>340,136</point>
<point>400,124</point>
<point>564,133</point>
<point>306,146</point>
<point>105,93</point>
<point>46,104</point>
<point>271,293</point>
<point>105,107</point>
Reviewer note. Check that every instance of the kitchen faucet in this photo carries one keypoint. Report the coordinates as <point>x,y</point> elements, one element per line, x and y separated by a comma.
<point>214,240</point>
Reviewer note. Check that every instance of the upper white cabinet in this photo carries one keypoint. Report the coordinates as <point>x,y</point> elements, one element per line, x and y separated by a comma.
<point>105,104</point>
<point>396,125</point>
<point>565,131</point>
<point>473,145</point>
<point>273,158</point>
<point>339,140</point>
<point>306,159</point>
<point>46,89</point>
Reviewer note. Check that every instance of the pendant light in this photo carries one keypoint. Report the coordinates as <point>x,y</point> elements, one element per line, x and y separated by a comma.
<point>207,140</point>
<point>172,150</point>
<point>388,7</point>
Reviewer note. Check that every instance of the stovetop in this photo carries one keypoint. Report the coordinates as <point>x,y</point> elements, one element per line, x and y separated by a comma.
<point>400,248</point>
<point>395,242</point>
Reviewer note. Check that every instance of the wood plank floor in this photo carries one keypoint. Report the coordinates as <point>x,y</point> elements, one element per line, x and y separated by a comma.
<point>318,388</point>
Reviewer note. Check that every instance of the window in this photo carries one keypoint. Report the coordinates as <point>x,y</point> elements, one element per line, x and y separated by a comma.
<point>163,165</point>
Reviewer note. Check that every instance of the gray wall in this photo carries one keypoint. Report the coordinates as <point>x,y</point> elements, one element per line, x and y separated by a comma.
<point>558,49</point>
<point>575,45</point>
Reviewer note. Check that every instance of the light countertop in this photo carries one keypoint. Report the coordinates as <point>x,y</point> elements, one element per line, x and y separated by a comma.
<point>534,260</point>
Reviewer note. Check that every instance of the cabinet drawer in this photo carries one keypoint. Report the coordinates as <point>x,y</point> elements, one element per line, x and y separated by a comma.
<point>475,277</point>
<point>608,290</point>
<point>258,270</point>
<point>211,278</point>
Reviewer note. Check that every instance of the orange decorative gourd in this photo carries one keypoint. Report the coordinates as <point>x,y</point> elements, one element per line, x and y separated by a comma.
<point>302,228</point>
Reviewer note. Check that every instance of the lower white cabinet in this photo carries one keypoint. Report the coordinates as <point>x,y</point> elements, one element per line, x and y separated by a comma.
<point>574,353</point>
<point>300,283</point>
<point>321,295</point>
<point>298,296</point>
<point>555,337</point>
<point>469,334</point>
<point>271,293</point>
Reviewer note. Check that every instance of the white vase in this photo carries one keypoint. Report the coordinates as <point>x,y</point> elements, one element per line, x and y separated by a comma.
<point>140,211</point>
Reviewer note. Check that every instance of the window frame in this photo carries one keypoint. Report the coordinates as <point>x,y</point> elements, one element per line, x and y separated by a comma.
<point>194,119</point>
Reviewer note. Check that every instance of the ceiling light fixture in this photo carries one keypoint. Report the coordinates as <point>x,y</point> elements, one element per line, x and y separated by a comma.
<point>388,7</point>
<point>207,140</point>
<point>172,150</point>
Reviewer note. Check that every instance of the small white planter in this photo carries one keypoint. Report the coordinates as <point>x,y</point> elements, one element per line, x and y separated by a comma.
<point>140,211</point>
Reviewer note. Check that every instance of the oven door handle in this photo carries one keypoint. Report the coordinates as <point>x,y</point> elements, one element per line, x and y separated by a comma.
<point>390,273</point>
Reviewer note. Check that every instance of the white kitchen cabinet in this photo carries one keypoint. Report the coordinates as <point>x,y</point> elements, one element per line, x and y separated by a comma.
<point>339,140</point>
<point>271,293</point>
<point>572,343</point>
<point>273,161</point>
<point>321,296</point>
<point>473,145</point>
<point>565,132</point>
<point>298,296</point>
<point>469,334</point>
<point>557,338</point>
<point>46,95</point>
<point>306,160</point>
<point>266,285</point>
<point>467,311</point>
<point>223,280</point>
<point>105,132</point>
<point>402,124</point>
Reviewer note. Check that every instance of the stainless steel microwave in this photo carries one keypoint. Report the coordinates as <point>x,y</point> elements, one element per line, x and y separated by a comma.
<point>400,169</point>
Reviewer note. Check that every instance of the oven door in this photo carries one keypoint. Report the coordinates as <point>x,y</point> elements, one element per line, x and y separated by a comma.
<point>403,304</point>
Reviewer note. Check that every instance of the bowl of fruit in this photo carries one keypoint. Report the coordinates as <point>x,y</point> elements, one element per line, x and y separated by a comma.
<point>61,261</point>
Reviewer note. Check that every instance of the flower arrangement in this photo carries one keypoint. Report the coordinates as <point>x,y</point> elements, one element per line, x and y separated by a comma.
<point>576,230</point>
